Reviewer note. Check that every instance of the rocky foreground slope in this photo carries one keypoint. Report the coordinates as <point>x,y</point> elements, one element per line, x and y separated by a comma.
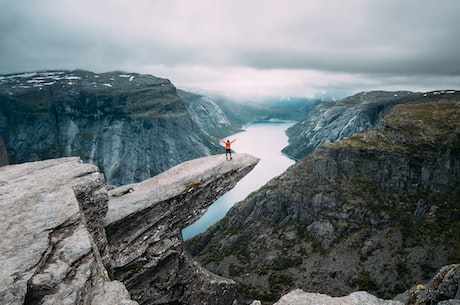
<point>66,239</point>
<point>442,289</point>
<point>378,211</point>
<point>132,126</point>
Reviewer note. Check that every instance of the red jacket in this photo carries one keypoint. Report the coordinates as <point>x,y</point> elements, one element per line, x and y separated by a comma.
<point>228,143</point>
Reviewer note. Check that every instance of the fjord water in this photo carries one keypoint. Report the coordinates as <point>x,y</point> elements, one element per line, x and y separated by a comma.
<point>264,140</point>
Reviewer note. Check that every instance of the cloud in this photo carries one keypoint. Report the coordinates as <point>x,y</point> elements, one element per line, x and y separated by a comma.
<point>308,47</point>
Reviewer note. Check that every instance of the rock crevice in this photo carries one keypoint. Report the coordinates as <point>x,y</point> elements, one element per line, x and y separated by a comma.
<point>67,241</point>
<point>144,231</point>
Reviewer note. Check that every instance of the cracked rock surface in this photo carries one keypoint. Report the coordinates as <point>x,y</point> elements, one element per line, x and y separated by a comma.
<point>64,237</point>
<point>53,246</point>
<point>144,224</point>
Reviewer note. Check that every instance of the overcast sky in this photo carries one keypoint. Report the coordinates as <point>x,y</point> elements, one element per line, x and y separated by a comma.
<point>243,47</point>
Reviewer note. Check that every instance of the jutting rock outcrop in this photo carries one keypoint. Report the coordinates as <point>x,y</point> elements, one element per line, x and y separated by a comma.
<point>442,289</point>
<point>377,211</point>
<point>144,224</point>
<point>132,126</point>
<point>64,241</point>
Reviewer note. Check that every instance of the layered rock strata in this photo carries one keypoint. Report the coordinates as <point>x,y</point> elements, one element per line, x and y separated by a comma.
<point>64,241</point>
<point>377,212</point>
<point>144,224</point>
<point>332,121</point>
<point>53,247</point>
<point>132,126</point>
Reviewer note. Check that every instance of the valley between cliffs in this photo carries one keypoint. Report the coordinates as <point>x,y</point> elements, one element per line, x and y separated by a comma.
<point>372,204</point>
<point>132,126</point>
<point>378,211</point>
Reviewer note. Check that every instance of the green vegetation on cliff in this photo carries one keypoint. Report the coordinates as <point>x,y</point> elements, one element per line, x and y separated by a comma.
<point>378,211</point>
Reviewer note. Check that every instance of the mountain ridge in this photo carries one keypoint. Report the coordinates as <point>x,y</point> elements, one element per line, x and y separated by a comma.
<point>375,211</point>
<point>334,120</point>
<point>133,126</point>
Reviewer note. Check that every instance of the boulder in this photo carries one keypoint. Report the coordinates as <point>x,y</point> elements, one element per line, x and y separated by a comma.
<point>299,297</point>
<point>53,247</point>
<point>442,289</point>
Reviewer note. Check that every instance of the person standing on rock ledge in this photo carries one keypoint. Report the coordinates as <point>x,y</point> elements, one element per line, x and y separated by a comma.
<point>228,148</point>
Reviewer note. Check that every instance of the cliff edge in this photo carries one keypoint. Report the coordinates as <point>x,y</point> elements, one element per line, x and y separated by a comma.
<point>333,121</point>
<point>144,224</point>
<point>67,240</point>
<point>132,126</point>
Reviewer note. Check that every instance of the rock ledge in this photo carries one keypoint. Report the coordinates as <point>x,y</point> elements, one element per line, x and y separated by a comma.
<point>65,238</point>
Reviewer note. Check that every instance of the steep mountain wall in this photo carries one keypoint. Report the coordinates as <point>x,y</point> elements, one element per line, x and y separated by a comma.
<point>132,126</point>
<point>331,121</point>
<point>377,211</point>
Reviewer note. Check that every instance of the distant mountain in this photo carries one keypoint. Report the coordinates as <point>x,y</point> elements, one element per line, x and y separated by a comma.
<point>377,211</point>
<point>295,109</point>
<point>331,121</point>
<point>132,126</point>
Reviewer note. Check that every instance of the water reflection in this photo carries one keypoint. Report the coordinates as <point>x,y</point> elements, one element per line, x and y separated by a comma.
<point>264,140</point>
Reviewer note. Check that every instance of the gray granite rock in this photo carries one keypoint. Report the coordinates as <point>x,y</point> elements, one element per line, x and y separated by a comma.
<point>54,248</point>
<point>52,235</point>
<point>144,224</point>
<point>299,297</point>
<point>443,288</point>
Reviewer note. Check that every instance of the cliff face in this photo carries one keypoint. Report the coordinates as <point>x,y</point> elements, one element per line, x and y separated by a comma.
<point>442,289</point>
<point>67,240</point>
<point>377,212</point>
<point>132,126</point>
<point>332,121</point>
<point>3,153</point>
<point>144,224</point>
<point>53,247</point>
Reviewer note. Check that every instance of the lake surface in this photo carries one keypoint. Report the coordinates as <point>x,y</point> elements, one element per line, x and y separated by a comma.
<point>264,140</point>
